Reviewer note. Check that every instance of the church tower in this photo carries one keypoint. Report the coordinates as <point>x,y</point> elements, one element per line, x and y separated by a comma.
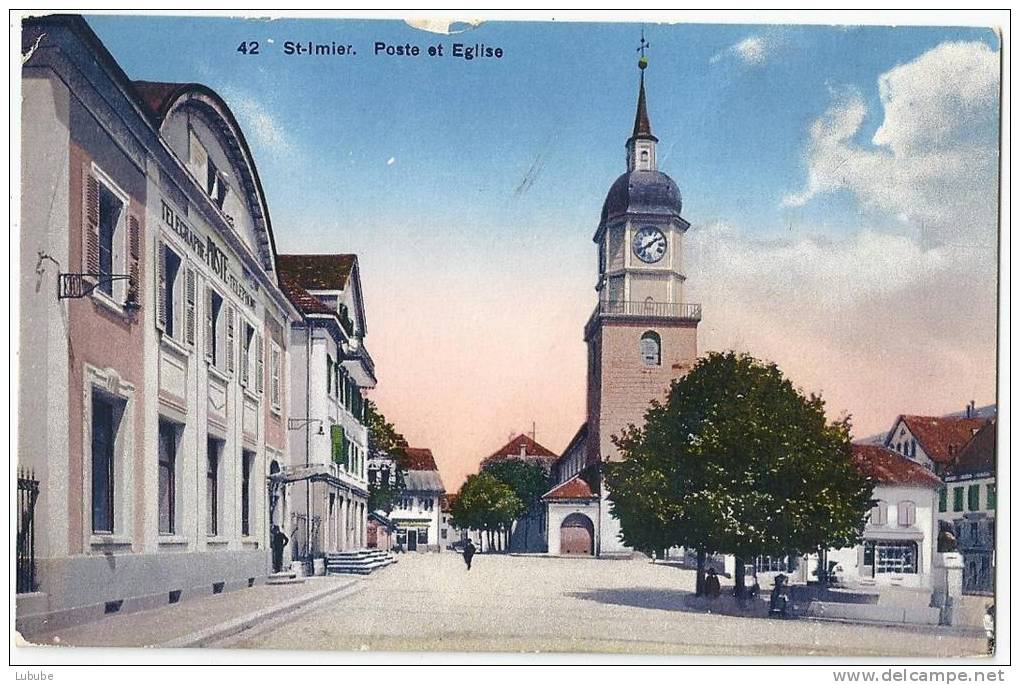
<point>642,334</point>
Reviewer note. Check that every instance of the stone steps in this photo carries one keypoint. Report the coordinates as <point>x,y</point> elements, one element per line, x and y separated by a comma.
<point>284,578</point>
<point>361,561</point>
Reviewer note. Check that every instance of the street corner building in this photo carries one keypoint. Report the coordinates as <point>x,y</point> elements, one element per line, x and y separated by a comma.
<point>641,336</point>
<point>161,348</point>
<point>325,511</point>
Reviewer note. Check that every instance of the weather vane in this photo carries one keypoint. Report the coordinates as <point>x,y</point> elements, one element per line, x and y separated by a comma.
<point>643,62</point>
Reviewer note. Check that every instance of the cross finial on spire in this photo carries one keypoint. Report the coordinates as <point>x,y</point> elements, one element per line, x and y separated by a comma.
<point>643,61</point>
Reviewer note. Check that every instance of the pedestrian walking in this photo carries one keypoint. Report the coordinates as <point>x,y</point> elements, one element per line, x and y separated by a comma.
<point>712,587</point>
<point>469,553</point>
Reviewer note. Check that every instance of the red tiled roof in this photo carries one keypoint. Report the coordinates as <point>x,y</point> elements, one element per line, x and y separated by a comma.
<point>942,437</point>
<point>301,298</point>
<point>318,271</point>
<point>419,459</point>
<point>979,454</point>
<point>575,488</point>
<point>891,468</point>
<point>532,450</point>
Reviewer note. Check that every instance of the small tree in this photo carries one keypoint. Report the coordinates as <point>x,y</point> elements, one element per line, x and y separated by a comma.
<point>738,461</point>
<point>485,504</point>
<point>528,480</point>
<point>384,442</point>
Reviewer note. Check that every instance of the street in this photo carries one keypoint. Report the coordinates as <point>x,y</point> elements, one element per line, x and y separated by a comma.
<point>504,603</point>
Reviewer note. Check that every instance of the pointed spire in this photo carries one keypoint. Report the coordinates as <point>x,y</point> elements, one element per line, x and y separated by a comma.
<point>642,127</point>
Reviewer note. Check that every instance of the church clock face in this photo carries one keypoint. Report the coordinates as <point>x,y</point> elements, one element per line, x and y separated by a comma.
<point>649,244</point>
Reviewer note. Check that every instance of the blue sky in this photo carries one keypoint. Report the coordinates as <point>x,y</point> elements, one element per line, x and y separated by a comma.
<point>826,216</point>
<point>466,133</point>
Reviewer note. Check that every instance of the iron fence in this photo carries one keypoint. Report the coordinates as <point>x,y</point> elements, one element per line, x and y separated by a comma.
<point>28,493</point>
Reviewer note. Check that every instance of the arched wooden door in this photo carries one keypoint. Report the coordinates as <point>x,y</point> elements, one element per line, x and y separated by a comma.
<point>577,535</point>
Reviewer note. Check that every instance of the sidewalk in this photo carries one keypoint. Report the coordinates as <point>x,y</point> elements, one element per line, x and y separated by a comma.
<point>199,621</point>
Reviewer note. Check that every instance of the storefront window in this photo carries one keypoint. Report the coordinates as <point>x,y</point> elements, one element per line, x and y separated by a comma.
<point>896,557</point>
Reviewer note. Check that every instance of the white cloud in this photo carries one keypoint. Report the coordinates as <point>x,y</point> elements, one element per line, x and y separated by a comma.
<point>881,324</point>
<point>751,51</point>
<point>933,161</point>
<point>259,124</point>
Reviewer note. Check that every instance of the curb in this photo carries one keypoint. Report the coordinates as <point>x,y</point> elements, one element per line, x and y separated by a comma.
<point>930,628</point>
<point>202,637</point>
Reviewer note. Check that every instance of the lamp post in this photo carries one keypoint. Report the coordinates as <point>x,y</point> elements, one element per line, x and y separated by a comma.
<point>298,423</point>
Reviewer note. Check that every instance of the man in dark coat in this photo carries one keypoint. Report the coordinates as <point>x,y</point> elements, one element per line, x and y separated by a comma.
<point>712,588</point>
<point>277,540</point>
<point>469,553</point>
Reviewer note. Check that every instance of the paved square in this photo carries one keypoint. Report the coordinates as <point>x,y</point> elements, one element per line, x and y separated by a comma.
<point>431,602</point>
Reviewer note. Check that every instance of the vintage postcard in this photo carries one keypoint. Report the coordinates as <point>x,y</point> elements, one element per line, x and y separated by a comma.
<point>635,337</point>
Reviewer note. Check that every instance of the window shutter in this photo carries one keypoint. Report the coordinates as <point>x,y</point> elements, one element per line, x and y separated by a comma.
<point>878,513</point>
<point>337,440</point>
<point>259,366</point>
<point>905,515</point>
<point>274,370</point>
<point>244,352</point>
<point>329,374</point>
<point>90,226</point>
<point>210,332</point>
<point>134,258</point>
<point>199,158</point>
<point>160,285</point>
<point>189,306</point>
<point>230,339</point>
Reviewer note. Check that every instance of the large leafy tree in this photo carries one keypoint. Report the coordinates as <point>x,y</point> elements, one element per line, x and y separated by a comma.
<point>384,441</point>
<point>528,480</point>
<point>737,461</point>
<point>485,503</point>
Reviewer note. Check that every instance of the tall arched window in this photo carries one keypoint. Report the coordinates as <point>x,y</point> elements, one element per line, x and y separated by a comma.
<point>651,349</point>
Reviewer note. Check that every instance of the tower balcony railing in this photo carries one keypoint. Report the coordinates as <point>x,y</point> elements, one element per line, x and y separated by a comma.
<point>685,311</point>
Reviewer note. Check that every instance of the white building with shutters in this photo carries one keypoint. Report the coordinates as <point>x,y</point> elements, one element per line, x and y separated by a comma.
<point>154,339</point>
<point>325,498</point>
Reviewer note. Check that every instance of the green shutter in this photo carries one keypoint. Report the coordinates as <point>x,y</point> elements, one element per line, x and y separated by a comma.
<point>957,499</point>
<point>943,497</point>
<point>973,497</point>
<point>990,496</point>
<point>338,444</point>
<point>329,374</point>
